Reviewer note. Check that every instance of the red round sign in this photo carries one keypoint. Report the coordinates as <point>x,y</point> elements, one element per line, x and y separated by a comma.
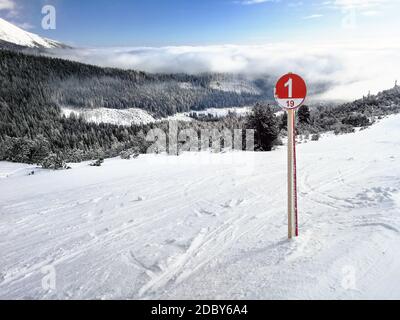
<point>290,91</point>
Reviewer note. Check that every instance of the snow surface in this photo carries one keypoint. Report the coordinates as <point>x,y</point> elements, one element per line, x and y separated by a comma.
<point>123,117</point>
<point>210,226</point>
<point>180,116</point>
<point>13,34</point>
<point>9,169</point>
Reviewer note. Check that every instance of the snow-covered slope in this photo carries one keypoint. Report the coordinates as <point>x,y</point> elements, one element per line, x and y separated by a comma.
<point>127,117</point>
<point>209,225</point>
<point>122,117</point>
<point>9,169</point>
<point>238,86</point>
<point>12,34</point>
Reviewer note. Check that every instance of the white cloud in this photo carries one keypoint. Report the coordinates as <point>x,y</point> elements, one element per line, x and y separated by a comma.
<point>371,13</point>
<point>340,70</point>
<point>313,16</point>
<point>365,8</point>
<point>7,5</point>
<point>358,5</point>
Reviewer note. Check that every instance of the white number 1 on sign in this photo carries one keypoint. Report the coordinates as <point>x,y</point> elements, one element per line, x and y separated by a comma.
<point>289,85</point>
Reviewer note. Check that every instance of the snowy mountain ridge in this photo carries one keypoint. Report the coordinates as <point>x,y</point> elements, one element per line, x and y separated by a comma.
<point>15,35</point>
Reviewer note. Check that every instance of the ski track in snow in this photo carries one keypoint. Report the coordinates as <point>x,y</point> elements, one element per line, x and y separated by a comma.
<point>194,227</point>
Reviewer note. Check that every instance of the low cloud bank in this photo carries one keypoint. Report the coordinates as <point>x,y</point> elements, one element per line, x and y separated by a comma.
<point>341,71</point>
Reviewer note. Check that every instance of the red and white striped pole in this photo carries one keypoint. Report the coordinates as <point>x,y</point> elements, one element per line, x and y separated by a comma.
<point>290,93</point>
<point>293,225</point>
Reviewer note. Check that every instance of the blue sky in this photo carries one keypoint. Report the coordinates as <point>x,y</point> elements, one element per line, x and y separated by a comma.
<point>204,22</point>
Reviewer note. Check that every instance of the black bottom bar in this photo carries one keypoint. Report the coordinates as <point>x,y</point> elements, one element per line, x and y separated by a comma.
<point>195,309</point>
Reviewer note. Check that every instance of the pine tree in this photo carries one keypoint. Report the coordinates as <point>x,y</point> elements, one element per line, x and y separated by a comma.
<point>284,122</point>
<point>304,115</point>
<point>265,124</point>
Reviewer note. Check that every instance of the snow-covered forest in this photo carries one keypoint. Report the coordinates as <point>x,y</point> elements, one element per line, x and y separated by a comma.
<point>34,128</point>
